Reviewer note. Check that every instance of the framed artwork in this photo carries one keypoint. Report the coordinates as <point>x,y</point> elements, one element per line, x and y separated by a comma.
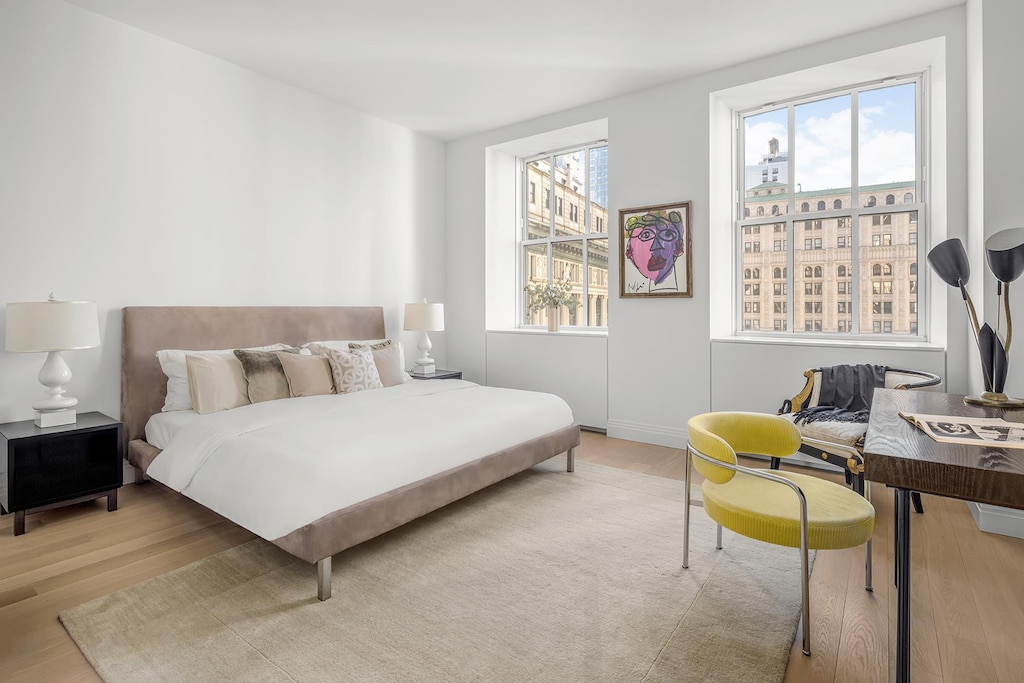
<point>655,258</point>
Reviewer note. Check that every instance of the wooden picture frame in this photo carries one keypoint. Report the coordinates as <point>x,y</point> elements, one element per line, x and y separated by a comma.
<point>655,254</point>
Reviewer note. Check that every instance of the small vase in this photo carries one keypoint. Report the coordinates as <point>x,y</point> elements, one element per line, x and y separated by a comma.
<point>553,312</point>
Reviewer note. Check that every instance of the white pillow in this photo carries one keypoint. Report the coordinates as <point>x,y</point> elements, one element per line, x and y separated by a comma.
<point>353,370</point>
<point>172,362</point>
<point>342,345</point>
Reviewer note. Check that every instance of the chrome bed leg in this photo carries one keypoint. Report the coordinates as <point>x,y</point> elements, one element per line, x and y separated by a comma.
<point>570,460</point>
<point>323,578</point>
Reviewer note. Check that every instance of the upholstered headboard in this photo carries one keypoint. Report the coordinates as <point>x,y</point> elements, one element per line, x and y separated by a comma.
<point>148,329</point>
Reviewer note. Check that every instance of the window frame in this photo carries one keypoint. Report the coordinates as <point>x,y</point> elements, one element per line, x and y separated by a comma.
<point>587,234</point>
<point>859,207</point>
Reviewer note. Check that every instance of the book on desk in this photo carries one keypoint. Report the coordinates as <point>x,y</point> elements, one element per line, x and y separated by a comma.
<point>976,431</point>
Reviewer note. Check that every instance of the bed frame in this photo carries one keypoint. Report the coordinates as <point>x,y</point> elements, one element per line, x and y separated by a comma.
<point>146,329</point>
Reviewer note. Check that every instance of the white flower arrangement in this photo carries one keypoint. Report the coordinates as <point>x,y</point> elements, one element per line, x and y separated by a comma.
<point>555,294</point>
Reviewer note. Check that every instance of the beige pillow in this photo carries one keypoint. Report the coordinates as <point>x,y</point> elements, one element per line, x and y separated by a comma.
<point>353,371</point>
<point>215,382</point>
<point>264,374</point>
<point>387,356</point>
<point>307,375</point>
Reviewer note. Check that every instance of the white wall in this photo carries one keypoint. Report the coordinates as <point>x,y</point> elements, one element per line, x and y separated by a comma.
<point>660,363</point>
<point>998,101</point>
<point>137,171</point>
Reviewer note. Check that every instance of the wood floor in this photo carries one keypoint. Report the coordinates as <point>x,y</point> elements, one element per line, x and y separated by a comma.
<point>968,587</point>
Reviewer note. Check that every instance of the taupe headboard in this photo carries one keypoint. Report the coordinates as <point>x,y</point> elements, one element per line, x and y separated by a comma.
<point>147,329</point>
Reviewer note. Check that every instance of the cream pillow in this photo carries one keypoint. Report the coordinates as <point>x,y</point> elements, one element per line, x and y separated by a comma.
<point>343,345</point>
<point>264,374</point>
<point>353,371</point>
<point>172,362</point>
<point>387,356</point>
<point>307,375</point>
<point>215,382</point>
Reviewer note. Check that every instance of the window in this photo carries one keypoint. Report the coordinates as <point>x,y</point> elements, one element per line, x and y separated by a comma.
<point>775,209</point>
<point>779,307</point>
<point>571,246</point>
<point>777,273</point>
<point>858,171</point>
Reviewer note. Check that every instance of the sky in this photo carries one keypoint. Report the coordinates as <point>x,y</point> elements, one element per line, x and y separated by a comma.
<point>823,137</point>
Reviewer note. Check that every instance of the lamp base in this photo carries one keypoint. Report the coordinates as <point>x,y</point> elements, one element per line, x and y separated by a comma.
<point>55,418</point>
<point>994,400</point>
<point>424,368</point>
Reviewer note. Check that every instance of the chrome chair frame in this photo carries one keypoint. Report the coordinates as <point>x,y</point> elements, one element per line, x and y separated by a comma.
<point>804,560</point>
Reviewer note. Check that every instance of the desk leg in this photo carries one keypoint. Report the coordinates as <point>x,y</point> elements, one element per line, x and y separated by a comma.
<point>903,589</point>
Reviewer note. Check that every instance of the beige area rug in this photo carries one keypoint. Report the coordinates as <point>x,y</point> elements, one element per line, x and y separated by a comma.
<point>547,576</point>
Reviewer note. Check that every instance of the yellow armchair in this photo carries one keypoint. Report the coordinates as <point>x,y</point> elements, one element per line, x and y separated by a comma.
<point>783,508</point>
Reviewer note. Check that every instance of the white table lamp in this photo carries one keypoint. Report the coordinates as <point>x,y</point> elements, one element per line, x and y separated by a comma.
<point>53,326</point>
<point>424,318</point>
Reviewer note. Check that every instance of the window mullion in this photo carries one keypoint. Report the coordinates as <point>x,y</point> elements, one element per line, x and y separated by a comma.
<point>855,217</point>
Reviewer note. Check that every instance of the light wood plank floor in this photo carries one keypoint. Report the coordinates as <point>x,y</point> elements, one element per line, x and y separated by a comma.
<point>968,588</point>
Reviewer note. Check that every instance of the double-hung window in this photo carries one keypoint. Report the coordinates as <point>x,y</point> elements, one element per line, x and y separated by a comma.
<point>571,245</point>
<point>849,200</point>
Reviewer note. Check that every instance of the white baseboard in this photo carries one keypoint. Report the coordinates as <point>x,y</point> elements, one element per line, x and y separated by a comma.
<point>998,520</point>
<point>645,433</point>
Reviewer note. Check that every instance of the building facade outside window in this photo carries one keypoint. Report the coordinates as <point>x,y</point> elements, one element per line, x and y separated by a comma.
<point>569,245</point>
<point>854,272</point>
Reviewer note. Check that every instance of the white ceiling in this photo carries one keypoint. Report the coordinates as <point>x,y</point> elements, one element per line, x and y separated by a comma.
<point>450,68</point>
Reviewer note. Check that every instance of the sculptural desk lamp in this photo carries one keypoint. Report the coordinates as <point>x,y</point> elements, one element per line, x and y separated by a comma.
<point>53,326</point>
<point>1004,252</point>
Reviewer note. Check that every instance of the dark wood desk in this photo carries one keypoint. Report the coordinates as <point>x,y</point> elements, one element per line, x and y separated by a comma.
<point>901,456</point>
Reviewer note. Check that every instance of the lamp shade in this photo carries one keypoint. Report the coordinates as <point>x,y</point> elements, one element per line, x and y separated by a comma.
<point>949,260</point>
<point>1005,253</point>
<point>52,326</point>
<point>424,317</point>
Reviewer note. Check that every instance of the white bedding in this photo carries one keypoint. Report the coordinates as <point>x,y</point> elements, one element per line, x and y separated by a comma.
<point>162,427</point>
<point>276,466</point>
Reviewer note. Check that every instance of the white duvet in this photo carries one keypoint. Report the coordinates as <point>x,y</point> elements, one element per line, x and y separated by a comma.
<point>276,466</point>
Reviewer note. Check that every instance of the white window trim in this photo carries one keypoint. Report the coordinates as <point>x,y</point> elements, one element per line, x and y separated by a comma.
<point>926,56</point>
<point>585,236</point>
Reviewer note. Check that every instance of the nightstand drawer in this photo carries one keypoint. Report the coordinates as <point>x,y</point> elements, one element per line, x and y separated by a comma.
<point>47,470</point>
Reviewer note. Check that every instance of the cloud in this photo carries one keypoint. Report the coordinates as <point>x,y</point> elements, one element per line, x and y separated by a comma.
<point>757,136</point>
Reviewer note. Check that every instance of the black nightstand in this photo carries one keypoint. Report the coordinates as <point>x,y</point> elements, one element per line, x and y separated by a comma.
<point>439,374</point>
<point>46,468</point>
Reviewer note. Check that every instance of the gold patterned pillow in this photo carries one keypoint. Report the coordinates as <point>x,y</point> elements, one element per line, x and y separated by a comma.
<point>387,356</point>
<point>353,370</point>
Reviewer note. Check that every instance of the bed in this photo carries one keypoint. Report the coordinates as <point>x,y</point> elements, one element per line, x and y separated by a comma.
<point>257,465</point>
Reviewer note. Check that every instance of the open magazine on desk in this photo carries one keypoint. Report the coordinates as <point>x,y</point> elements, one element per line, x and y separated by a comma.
<point>974,431</point>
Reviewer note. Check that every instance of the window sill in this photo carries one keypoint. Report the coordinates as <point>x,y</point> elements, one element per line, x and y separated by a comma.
<point>562,332</point>
<point>831,343</point>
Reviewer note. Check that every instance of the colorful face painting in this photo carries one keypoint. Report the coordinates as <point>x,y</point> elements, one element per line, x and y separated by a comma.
<point>655,242</point>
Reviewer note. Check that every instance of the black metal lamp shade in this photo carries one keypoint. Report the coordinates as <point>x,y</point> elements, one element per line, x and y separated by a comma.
<point>1005,253</point>
<point>949,261</point>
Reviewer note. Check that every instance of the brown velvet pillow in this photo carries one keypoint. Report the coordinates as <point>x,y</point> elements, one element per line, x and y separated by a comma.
<point>264,373</point>
<point>307,375</point>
